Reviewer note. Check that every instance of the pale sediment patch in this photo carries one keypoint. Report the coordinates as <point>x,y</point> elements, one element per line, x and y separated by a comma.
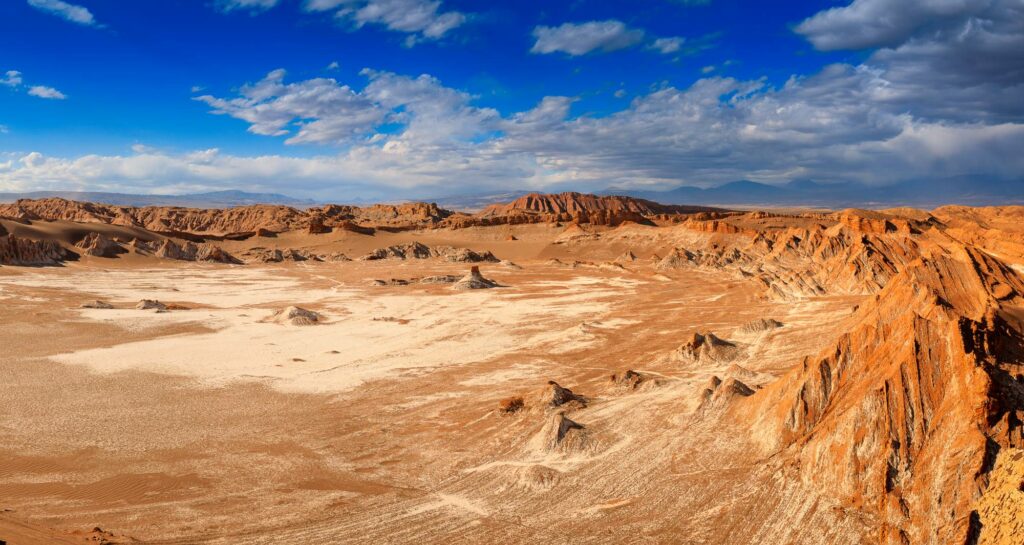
<point>349,350</point>
<point>212,286</point>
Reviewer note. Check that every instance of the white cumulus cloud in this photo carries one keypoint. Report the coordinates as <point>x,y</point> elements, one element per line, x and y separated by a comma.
<point>252,6</point>
<point>11,79</point>
<point>420,19</point>
<point>667,46</point>
<point>577,39</point>
<point>43,91</point>
<point>70,12</point>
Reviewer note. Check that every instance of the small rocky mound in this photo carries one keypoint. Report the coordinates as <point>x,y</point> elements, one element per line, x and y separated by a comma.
<point>296,316</point>
<point>627,257</point>
<point>142,247</point>
<point>99,245</point>
<point>412,250</point>
<point>631,380</point>
<point>759,325</point>
<point>744,374</point>
<point>150,304</point>
<point>335,257</point>
<point>511,405</point>
<point>98,305</point>
<point>441,279</point>
<point>677,259</point>
<point>99,536</point>
<point>554,395</point>
<point>463,255</point>
<point>190,251</point>
<point>560,433</point>
<point>572,233</point>
<point>215,254</point>
<point>707,347</point>
<point>719,394</point>
<point>474,281</point>
<point>390,282</point>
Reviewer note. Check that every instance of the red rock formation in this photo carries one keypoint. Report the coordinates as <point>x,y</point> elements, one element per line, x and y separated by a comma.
<point>227,222</point>
<point>904,413</point>
<point>317,226</point>
<point>573,207</point>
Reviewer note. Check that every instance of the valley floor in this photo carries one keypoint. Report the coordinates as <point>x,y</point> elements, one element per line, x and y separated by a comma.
<point>212,424</point>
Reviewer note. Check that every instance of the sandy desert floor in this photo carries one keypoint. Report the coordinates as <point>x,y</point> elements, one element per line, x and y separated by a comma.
<point>212,424</point>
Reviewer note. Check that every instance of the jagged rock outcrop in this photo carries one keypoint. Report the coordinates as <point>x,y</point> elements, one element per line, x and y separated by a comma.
<point>706,348</point>
<point>99,245</point>
<point>719,394</point>
<point>418,250</point>
<point>24,252</point>
<point>904,414</point>
<point>678,258</point>
<point>190,251</point>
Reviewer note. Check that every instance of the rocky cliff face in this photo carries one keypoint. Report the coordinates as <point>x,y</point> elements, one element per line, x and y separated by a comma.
<point>245,221</point>
<point>904,414</point>
<point>238,221</point>
<point>20,251</point>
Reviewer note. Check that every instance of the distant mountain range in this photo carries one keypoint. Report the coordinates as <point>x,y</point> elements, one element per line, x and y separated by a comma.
<point>925,193</point>
<point>215,199</point>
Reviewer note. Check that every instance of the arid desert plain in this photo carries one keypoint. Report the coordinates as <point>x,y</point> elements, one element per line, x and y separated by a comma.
<point>561,369</point>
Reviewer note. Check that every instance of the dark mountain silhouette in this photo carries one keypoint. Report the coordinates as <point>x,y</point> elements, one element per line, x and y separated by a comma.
<point>214,199</point>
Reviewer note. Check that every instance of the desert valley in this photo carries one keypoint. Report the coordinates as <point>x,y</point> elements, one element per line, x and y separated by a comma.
<point>563,368</point>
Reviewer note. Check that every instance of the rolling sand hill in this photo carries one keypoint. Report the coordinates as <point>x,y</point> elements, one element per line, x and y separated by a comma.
<point>560,369</point>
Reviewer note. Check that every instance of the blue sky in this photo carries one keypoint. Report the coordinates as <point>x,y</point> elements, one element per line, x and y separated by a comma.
<point>394,98</point>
